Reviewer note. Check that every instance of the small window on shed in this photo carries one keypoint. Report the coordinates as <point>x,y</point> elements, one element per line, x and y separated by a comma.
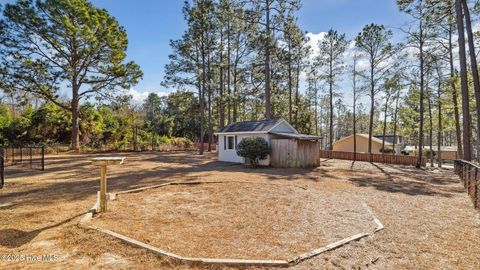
<point>230,142</point>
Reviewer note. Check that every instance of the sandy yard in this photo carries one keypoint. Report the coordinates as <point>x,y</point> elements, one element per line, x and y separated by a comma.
<point>243,220</point>
<point>429,220</point>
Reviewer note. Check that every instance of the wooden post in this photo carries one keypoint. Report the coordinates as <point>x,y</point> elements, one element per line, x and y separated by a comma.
<point>43,158</point>
<point>475,189</point>
<point>103,162</point>
<point>103,188</point>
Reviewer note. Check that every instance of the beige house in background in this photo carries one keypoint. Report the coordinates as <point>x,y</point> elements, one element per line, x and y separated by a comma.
<point>346,144</point>
<point>448,152</point>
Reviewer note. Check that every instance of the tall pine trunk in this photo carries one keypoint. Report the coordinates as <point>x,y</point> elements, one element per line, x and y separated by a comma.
<point>397,98</point>
<point>422,82</point>
<point>372,109</point>
<point>297,94</point>
<point>474,66</point>
<point>385,124</point>
<point>229,93</point>
<point>75,117</point>
<point>458,132</point>
<point>430,120</point>
<point>354,107</point>
<point>209,104</point>
<point>202,97</point>
<point>467,129</point>
<point>267,61</point>
<point>221,104</point>
<point>316,106</point>
<point>235,98</point>
<point>330,89</point>
<point>439,128</point>
<point>290,86</point>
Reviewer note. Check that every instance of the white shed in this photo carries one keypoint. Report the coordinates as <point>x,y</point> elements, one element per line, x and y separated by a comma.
<point>273,129</point>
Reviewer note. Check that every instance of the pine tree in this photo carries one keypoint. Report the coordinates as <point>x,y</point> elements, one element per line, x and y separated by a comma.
<point>45,44</point>
<point>374,42</point>
<point>330,62</point>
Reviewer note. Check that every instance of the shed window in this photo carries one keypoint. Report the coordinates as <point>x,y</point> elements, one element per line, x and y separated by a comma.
<point>230,142</point>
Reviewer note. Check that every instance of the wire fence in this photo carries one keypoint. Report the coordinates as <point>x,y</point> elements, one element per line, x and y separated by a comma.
<point>125,147</point>
<point>469,174</point>
<point>2,168</point>
<point>29,157</point>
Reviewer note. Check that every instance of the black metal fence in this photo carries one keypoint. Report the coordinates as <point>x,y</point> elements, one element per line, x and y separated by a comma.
<point>469,173</point>
<point>30,157</point>
<point>2,168</point>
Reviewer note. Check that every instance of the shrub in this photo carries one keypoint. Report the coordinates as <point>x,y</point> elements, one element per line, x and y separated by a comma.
<point>164,139</point>
<point>387,151</point>
<point>182,143</point>
<point>253,148</point>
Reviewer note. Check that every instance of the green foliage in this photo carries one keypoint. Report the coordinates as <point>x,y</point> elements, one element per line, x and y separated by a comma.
<point>5,122</point>
<point>50,123</point>
<point>5,116</point>
<point>161,123</point>
<point>253,148</point>
<point>91,126</point>
<point>47,43</point>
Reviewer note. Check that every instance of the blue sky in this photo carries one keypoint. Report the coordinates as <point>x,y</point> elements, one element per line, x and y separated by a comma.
<point>150,25</point>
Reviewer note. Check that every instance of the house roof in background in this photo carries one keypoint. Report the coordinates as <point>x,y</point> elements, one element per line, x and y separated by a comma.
<point>251,126</point>
<point>412,148</point>
<point>387,135</point>
<point>377,140</point>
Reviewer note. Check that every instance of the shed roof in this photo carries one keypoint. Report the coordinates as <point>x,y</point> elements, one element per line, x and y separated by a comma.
<point>251,126</point>
<point>297,136</point>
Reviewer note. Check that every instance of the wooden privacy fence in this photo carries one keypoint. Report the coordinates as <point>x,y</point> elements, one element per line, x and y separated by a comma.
<point>469,174</point>
<point>378,158</point>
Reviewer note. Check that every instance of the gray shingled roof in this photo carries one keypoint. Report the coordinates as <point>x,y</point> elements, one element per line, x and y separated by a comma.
<point>298,136</point>
<point>261,125</point>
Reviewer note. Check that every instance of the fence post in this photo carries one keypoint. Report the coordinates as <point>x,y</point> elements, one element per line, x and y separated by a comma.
<point>475,191</point>
<point>30,157</point>
<point>43,158</point>
<point>2,167</point>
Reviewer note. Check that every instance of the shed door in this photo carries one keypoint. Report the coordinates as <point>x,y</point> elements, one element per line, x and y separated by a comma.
<point>283,153</point>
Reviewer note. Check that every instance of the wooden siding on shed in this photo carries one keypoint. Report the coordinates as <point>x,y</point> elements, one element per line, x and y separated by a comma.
<point>289,153</point>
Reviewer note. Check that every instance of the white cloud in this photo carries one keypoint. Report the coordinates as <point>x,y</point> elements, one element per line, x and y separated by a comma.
<point>313,40</point>
<point>139,97</point>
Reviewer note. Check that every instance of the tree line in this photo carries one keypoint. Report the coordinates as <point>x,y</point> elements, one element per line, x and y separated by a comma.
<point>119,124</point>
<point>246,60</point>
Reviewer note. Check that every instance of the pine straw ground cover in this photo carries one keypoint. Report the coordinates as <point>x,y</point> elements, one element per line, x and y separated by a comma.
<point>429,220</point>
<point>242,220</point>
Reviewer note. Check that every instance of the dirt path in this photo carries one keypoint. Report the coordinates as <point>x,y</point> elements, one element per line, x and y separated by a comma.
<point>429,220</point>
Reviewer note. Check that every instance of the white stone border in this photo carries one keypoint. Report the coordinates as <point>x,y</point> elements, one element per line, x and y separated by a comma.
<point>232,262</point>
